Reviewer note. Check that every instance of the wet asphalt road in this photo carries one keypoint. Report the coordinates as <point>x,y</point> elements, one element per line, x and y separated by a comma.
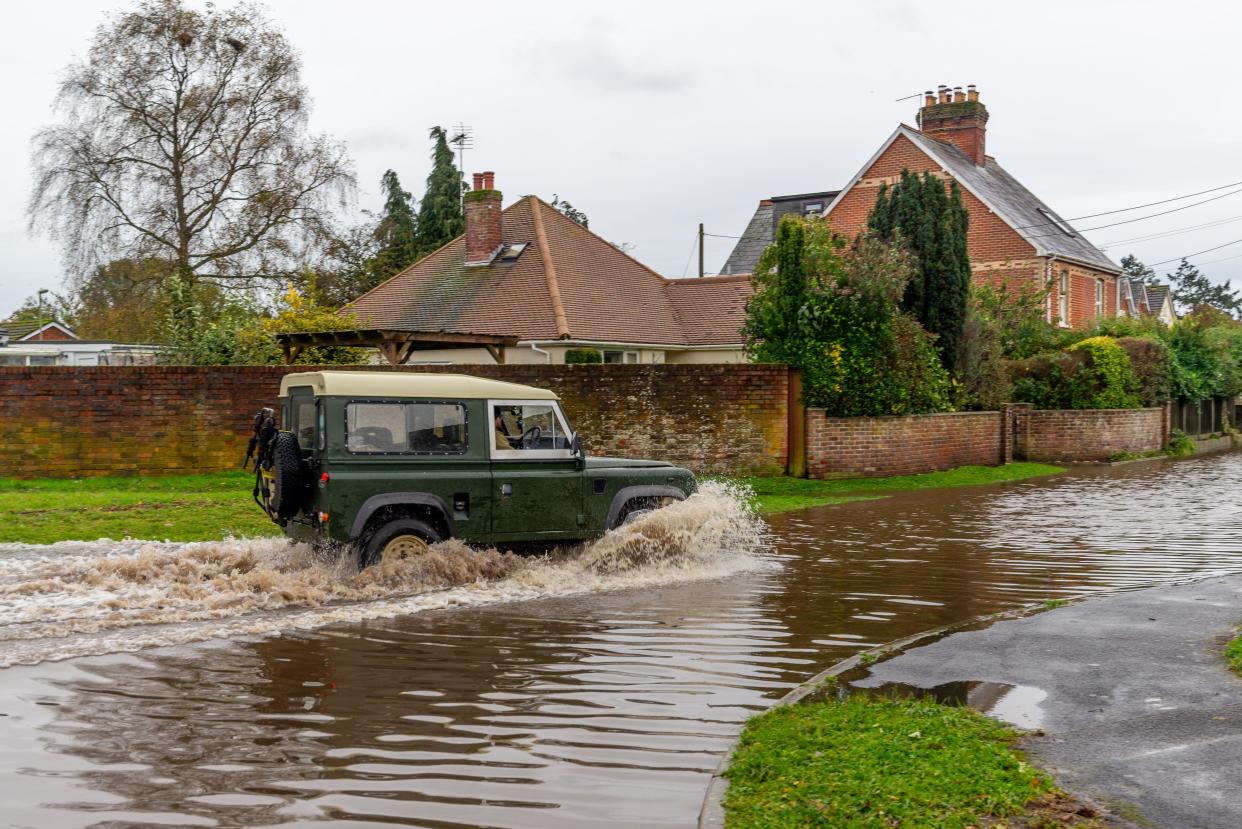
<point>1141,713</point>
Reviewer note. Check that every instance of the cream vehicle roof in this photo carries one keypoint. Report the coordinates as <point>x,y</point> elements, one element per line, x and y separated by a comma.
<point>403,384</point>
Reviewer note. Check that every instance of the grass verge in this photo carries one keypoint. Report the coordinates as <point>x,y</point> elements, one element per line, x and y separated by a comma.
<point>881,762</point>
<point>1233,654</point>
<point>773,495</point>
<point>176,508</point>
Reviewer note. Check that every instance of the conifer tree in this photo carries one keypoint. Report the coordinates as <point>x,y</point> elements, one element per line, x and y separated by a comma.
<point>932,223</point>
<point>396,232</point>
<point>1136,271</point>
<point>1192,289</point>
<point>440,217</point>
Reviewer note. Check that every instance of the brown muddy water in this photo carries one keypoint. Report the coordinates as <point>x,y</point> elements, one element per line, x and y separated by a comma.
<point>248,684</point>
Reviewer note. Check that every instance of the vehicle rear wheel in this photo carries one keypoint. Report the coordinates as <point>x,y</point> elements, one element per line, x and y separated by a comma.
<point>400,539</point>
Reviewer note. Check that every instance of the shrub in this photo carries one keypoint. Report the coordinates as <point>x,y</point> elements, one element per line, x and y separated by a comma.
<point>1094,373</point>
<point>1152,364</point>
<point>1180,444</point>
<point>983,383</point>
<point>583,356</point>
<point>833,314</point>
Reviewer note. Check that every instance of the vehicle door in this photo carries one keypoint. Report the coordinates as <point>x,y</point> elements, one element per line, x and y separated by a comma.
<point>536,477</point>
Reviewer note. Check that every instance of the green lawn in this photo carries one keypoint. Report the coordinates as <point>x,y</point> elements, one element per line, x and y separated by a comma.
<point>774,495</point>
<point>875,763</point>
<point>176,508</point>
<point>211,506</point>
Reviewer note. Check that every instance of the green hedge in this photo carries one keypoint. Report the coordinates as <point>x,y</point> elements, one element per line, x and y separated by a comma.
<point>1095,373</point>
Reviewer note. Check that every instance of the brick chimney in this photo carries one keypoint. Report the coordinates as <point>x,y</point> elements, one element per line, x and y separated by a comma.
<point>956,117</point>
<point>482,220</point>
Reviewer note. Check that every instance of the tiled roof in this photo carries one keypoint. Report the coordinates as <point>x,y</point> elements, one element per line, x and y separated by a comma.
<point>605,295</point>
<point>712,310</point>
<point>1155,296</point>
<point>17,330</point>
<point>1030,217</point>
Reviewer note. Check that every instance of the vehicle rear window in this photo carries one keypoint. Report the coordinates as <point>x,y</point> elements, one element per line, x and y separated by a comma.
<point>405,428</point>
<point>304,421</point>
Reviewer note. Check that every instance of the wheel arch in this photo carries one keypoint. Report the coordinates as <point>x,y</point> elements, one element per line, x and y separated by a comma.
<point>629,493</point>
<point>401,499</point>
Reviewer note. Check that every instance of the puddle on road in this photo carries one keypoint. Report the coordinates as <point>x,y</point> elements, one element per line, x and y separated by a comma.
<point>589,707</point>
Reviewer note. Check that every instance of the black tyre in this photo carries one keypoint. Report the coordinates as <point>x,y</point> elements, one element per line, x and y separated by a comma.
<point>289,486</point>
<point>397,539</point>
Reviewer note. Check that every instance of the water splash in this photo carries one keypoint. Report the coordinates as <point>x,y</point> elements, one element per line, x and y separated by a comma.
<point>70,600</point>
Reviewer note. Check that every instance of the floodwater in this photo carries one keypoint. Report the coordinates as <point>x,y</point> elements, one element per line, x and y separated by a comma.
<point>596,688</point>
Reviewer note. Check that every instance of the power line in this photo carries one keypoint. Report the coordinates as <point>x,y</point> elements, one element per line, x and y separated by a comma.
<point>1141,218</point>
<point>721,236</point>
<point>1197,253</point>
<point>690,255</point>
<point>1137,206</point>
<point>1222,259</point>
<point>1167,233</point>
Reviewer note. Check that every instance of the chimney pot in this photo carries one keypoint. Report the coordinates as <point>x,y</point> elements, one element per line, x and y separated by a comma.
<point>483,220</point>
<point>966,130</point>
<point>929,98</point>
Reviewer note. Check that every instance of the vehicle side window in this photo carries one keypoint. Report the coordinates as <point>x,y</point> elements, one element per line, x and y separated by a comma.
<point>524,429</point>
<point>405,428</point>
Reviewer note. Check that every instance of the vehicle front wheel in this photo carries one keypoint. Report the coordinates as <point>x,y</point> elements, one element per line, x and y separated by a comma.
<point>399,539</point>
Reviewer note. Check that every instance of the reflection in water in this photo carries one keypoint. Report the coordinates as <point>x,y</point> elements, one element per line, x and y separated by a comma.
<point>583,710</point>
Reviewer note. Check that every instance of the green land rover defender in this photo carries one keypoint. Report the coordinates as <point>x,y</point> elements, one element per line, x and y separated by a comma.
<point>390,462</point>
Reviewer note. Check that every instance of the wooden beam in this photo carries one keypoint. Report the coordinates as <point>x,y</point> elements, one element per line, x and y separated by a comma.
<point>497,352</point>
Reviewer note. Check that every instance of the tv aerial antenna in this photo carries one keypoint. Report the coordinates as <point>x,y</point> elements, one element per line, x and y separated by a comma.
<point>462,139</point>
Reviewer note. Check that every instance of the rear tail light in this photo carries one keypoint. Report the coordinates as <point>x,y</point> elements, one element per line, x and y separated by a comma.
<point>323,480</point>
<point>323,518</point>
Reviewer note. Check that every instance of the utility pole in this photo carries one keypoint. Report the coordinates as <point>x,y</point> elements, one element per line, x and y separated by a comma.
<point>700,250</point>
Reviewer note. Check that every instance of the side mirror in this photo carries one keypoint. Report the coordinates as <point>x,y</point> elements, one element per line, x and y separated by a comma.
<point>576,448</point>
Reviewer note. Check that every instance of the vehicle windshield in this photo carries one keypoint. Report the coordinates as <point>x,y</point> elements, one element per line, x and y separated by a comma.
<point>530,427</point>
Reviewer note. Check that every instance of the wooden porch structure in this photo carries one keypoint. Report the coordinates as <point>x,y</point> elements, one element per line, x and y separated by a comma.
<point>395,345</point>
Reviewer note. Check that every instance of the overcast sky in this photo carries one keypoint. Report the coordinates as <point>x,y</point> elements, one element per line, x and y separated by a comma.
<point>652,117</point>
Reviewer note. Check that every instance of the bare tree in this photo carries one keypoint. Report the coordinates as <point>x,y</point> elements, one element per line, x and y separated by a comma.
<point>183,136</point>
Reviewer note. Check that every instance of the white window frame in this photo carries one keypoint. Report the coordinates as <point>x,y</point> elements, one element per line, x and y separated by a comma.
<point>499,454</point>
<point>1099,298</point>
<point>625,353</point>
<point>1063,298</point>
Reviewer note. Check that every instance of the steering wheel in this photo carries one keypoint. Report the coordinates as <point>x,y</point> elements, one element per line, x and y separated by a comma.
<point>530,438</point>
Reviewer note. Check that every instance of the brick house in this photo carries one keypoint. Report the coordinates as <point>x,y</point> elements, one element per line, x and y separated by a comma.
<point>526,284</point>
<point>1014,237</point>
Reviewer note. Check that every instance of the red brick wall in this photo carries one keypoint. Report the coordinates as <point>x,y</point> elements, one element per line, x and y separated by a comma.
<point>989,239</point>
<point>1088,435</point>
<point>998,253</point>
<point>85,421</point>
<point>843,447</point>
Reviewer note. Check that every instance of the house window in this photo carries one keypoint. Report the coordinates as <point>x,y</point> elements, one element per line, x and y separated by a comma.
<point>1099,298</point>
<point>620,357</point>
<point>1063,303</point>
